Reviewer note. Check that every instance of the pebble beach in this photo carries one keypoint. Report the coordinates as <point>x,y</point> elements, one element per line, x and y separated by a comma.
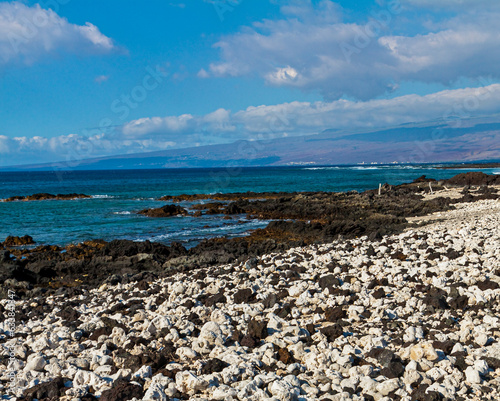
<point>413,316</point>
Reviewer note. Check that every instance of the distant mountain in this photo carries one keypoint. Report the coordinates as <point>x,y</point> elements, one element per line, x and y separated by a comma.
<point>459,141</point>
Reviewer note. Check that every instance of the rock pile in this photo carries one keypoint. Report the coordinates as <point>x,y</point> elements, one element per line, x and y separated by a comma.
<point>414,316</point>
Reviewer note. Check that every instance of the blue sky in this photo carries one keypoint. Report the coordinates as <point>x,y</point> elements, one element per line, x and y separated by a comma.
<point>76,76</point>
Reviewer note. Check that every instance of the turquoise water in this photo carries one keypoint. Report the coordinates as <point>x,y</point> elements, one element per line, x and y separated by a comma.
<point>117,195</point>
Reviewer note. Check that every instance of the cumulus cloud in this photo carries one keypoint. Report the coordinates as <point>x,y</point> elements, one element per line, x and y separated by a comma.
<point>312,48</point>
<point>29,33</point>
<point>192,128</point>
<point>283,75</point>
<point>150,126</point>
<point>299,118</point>
<point>68,149</point>
<point>463,48</point>
<point>453,107</point>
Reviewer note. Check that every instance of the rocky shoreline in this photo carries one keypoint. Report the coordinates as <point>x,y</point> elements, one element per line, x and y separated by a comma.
<point>296,219</point>
<point>405,311</point>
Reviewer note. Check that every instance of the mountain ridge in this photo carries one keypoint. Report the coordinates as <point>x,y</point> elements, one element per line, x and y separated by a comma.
<point>475,139</point>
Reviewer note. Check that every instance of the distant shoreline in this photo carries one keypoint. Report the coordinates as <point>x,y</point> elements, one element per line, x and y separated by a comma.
<point>225,165</point>
<point>469,165</point>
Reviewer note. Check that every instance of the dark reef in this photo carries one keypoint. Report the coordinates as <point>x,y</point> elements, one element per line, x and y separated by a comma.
<point>45,196</point>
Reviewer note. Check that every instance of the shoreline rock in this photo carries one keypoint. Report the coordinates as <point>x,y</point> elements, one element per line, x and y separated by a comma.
<point>474,178</point>
<point>46,196</point>
<point>164,211</point>
<point>13,241</point>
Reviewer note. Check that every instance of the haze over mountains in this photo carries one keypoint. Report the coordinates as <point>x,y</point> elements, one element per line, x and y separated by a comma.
<point>461,140</point>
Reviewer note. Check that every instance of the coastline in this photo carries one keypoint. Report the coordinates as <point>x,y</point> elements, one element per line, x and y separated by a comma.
<point>409,315</point>
<point>115,197</point>
<point>291,219</point>
<point>470,165</point>
<point>349,319</point>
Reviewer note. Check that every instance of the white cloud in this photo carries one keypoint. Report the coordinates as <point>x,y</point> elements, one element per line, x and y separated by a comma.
<point>462,49</point>
<point>253,123</point>
<point>218,121</point>
<point>30,33</point>
<point>71,148</point>
<point>312,49</point>
<point>4,145</point>
<point>171,125</point>
<point>299,118</point>
<point>185,129</point>
<point>283,76</point>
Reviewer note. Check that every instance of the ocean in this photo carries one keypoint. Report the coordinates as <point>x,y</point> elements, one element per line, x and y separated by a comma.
<point>118,195</point>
